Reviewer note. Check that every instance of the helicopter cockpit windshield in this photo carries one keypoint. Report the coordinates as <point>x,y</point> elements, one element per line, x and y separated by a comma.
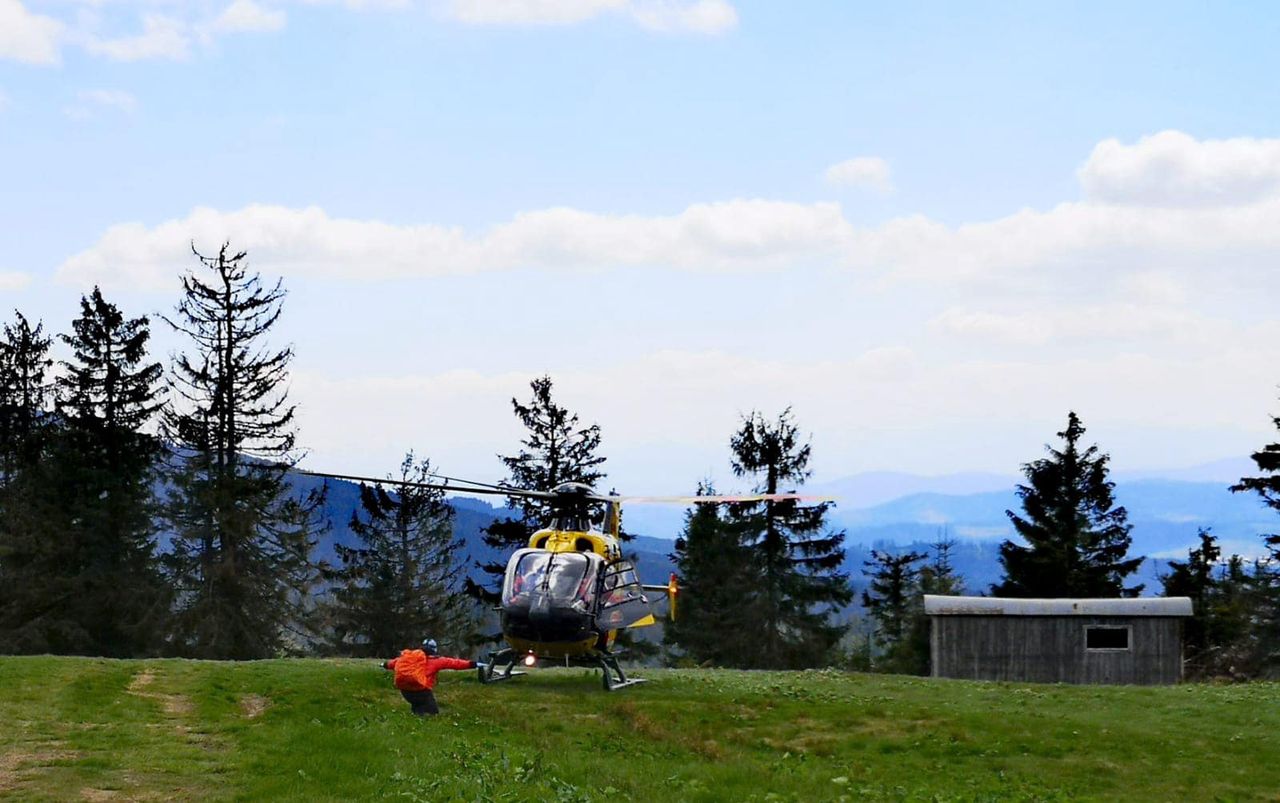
<point>557,580</point>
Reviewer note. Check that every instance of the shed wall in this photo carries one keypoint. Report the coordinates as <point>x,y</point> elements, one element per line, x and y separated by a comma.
<point>1051,649</point>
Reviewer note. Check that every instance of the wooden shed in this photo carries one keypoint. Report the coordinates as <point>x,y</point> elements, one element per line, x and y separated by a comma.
<point>1057,640</point>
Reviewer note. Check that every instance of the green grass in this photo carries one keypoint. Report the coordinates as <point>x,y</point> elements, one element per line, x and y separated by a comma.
<point>84,729</point>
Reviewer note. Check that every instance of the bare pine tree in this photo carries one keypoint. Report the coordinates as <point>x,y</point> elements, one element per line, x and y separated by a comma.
<point>242,542</point>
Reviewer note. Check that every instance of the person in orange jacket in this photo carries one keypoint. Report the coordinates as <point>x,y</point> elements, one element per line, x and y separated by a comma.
<point>415,675</point>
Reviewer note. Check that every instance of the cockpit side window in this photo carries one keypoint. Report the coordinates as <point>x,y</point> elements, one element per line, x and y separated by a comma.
<point>623,601</point>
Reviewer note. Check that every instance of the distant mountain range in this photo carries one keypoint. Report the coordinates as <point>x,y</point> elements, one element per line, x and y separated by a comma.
<point>889,510</point>
<point>471,517</point>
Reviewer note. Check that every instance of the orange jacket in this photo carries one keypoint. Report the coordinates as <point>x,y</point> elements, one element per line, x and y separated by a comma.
<point>416,671</point>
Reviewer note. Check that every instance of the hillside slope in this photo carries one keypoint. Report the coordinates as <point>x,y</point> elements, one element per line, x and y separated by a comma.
<point>88,729</point>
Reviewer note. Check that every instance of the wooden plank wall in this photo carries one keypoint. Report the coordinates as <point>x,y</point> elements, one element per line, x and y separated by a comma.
<point>1051,649</point>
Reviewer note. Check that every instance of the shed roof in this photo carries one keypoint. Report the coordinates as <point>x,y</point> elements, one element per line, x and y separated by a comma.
<point>1001,606</point>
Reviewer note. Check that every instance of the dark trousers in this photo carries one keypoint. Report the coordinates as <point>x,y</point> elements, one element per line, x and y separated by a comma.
<point>423,702</point>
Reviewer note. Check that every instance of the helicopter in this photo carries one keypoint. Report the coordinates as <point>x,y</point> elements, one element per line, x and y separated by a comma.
<point>567,595</point>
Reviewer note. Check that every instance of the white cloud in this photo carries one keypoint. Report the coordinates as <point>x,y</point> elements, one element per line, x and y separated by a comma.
<point>362,5</point>
<point>683,405</point>
<point>1174,169</point>
<point>1008,328</point>
<point>175,30</point>
<point>1144,318</point>
<point>667,16</point>
<point>732,235</point>
<point>27,37</point>
<point>162,37</point>
<point>1085,243</point>
<point>530,12</point>
<point>1154,287</point>
<point>863,171</point>
<point>174,34</point>
<point>701,16</point>
<point>1085,247</point>
<point>1113,322</point>
<point>12,280</point>
<point>248,16</point>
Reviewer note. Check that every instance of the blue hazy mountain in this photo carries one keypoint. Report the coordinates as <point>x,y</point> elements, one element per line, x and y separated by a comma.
<point>1165,514</point>
<point>891,507</point>
<point>471,517</point>
<point>877,487</point>
<point>1224,472</point>
<point>858,491</point>
<point>896,511</point>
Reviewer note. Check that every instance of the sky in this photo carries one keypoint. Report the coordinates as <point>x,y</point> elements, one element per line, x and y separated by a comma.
<point>931,229</point>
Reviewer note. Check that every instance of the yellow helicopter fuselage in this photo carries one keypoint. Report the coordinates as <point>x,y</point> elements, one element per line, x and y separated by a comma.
<point>561,541</point>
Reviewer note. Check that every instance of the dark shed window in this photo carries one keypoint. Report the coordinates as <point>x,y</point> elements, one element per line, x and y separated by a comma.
<point>1106,638</point>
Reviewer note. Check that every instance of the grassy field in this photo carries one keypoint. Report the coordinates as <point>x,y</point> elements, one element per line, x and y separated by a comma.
<point>84,729</point>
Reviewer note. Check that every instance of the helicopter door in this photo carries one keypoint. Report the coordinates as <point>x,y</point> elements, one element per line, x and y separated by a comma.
<point>622,599</point>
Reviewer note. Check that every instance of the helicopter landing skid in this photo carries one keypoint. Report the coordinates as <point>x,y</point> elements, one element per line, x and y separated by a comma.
<point>489,673</point>
<point>614,677</point>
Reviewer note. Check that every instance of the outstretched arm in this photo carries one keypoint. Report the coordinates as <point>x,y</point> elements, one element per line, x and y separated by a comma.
<point>456,663</point>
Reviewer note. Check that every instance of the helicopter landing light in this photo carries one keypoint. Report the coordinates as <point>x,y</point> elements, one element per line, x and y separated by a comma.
<point>530,659</point>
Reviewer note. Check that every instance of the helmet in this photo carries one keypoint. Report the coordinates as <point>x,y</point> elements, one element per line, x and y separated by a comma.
<point>429,646</point>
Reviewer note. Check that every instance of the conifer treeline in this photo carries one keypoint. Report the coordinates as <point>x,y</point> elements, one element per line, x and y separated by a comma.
<point>1076,544</point>
<point>78,571</point>
<point>1236,630</point>
<point>145,512</point>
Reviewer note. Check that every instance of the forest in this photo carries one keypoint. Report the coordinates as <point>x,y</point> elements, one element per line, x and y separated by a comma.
<point>146,510</point>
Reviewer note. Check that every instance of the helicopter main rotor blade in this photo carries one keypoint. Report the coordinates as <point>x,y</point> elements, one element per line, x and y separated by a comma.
<point>719,499</point>
<point>452,484</point>
<point>493,490</point>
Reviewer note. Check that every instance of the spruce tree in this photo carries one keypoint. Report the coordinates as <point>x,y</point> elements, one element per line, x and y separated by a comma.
<point>1265,581</point>
<point>1267,484</point>
<point>1218,638</point>
<point>403,579</point>
<point>101,469</point>
<point>937,577</point>
<point>714,570</point>
<point>26,393</point>
<point>1077,540</point>
<point>892,599</point>
<point>33,591</point>
<point>557,448</point>
<point>795,560</point>
<point>1232,638</point>
<point>1194,578</point>
<point>240,558</point>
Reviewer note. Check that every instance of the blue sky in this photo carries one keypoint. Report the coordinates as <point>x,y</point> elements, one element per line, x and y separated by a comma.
<point>933,228</point>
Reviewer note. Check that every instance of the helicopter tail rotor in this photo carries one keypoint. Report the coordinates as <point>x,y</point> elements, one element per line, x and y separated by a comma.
<point>671,589</point>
